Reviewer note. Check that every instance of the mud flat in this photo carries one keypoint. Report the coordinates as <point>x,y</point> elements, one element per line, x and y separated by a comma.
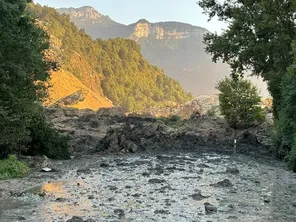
<point>162,187</point>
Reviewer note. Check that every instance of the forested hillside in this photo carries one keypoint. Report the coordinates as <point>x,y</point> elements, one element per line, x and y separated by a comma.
<point>114,68</point>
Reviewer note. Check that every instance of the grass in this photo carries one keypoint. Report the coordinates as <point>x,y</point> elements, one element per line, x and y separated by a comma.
<point>12,168</point>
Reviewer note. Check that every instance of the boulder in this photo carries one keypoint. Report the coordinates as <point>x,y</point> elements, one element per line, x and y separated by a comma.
<point>110,112</point>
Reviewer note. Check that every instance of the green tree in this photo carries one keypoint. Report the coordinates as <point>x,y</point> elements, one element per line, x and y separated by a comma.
<point>258,38</point>
<point>23,73</point>
<point>239,103</point>
<point>286,125</point>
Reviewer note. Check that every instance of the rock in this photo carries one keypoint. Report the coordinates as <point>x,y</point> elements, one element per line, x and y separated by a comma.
<point>76,219</point>
<point>46,169</point>
<point>21,218</point>
<point>248,138</point>
<point>119,212</point>
<point>90,220</point>
<point>232,170</point>
<point>72,99</point>
<point>131,147</point>
<point>60,199</point>
<point>223,183</point>
<point>209,208</point>
<point>84,171</point>
<point>294,204</point>
<point>155,181</point>
<point>104,164</point>
<point>146,174</point>
<point>91,197</point>
<point>137,195</point>
<point>112,188</point>
<point>162,212</point>
<point>110,199</point>
<point>111,112</point>
<point>198,196</point>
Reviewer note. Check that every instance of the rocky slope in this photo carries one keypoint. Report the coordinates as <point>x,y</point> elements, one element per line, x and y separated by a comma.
<point>68,91</point>
<point>175,47</point>
<point>109,130</point>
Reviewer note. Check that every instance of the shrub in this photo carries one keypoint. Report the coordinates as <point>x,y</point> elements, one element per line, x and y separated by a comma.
<point>286,124</point>
<point>291,157</point>
<point>239,103</point>
<point>172,120</point>
<point>12,168</point>
<point>45,140</point>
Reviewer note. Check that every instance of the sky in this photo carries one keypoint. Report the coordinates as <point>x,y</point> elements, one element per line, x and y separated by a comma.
<point>130,11</point>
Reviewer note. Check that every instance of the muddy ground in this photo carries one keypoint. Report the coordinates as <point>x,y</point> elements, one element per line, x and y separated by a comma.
<point>160,187</point>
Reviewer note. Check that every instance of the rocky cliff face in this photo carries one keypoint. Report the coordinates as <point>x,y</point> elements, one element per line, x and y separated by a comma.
<point>164,30</point>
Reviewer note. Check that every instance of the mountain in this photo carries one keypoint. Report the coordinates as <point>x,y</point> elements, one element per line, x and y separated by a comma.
<point>90,71</point>
<point>175,47</point>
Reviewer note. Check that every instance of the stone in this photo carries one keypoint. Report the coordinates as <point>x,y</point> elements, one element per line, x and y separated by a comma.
<point>76,219</point>
<point>84,171</point>
<point>104,164</point>
<point>198,196</point>
<point>60,199</point>
<point>131,147</point>
<point>223,183</point>
<point>155,181</point>
<point>90,220</point>
<point>232,170</point>
<point>209,208</point>
<point>162,212</point>
<point>119,212</point>
<point>112,188</point>
<point>294,204</point>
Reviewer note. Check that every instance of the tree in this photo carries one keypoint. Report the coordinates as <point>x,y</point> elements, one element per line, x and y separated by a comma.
<point>239,103</point>
<point>258,38</point>
<point>286,125</point>
<point>23,73</point>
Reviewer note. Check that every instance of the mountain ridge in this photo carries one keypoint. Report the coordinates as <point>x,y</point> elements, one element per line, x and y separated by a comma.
<point>113,68</point>
<point>175,47</point>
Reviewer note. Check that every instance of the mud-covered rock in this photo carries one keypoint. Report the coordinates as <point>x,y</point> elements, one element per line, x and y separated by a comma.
<point>109,130</point>
<point>209,208</point>
<point>76,219</point>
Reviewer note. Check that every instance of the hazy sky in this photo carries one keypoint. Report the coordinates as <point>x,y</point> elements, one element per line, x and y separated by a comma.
<point>130,11</point>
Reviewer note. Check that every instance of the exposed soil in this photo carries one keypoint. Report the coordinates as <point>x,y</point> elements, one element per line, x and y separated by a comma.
<point>145,187</point>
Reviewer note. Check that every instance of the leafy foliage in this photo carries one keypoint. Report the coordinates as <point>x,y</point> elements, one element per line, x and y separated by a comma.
<point>287,123</point>
<point>23,73</point>
<point>115,66</point>
<point>239,103</point>
<point>291,158</point>
<point>12,168</point>
<point>46,140</point>
<point>258,38</point>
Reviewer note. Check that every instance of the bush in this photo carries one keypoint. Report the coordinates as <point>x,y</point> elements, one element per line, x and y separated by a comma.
<point>291,157</point>
<point>45,140</point>
<point>12,168</point>
<point>239,103</point>
<point>172,120</point>
<point>286,124</point>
